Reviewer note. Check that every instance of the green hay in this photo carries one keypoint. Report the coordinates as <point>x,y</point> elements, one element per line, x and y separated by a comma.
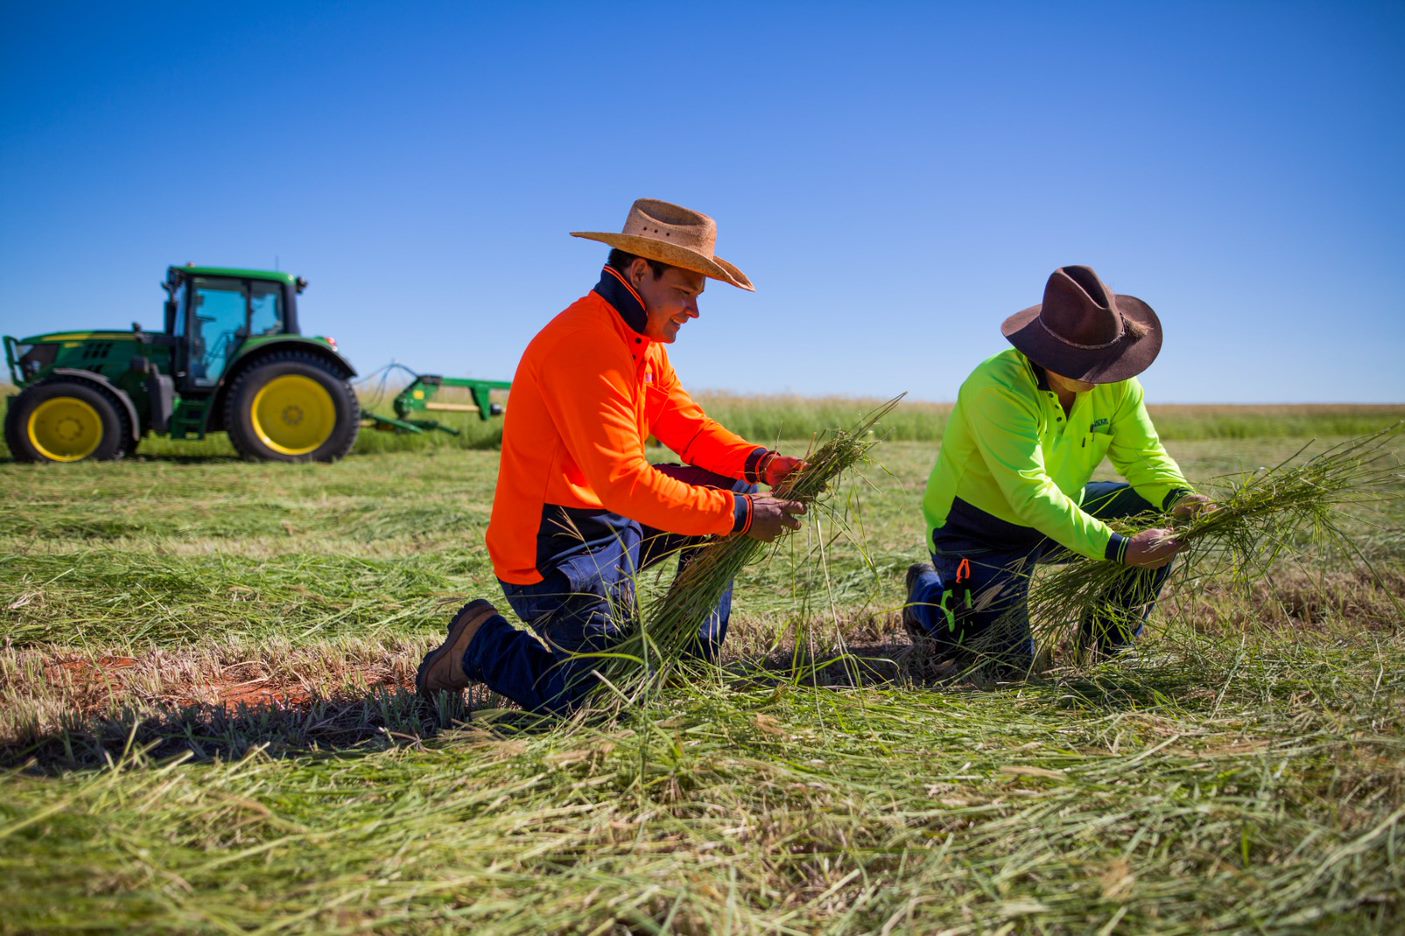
<point>1262,518</point>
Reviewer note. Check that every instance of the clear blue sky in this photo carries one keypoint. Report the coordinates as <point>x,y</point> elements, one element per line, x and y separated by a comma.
<point>896,178</point>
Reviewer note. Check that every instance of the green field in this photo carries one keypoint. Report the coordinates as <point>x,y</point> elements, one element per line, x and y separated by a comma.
<point>205,725</point>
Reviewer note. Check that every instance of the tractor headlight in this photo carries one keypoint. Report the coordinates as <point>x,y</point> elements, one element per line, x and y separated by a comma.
<point>33,358</point>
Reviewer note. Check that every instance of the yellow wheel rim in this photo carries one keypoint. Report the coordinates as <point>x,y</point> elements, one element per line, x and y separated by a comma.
<point>293,415</point>
<point>65,429</point>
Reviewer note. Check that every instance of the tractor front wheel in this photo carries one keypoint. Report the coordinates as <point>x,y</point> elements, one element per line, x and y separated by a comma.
<point>65,421</point>
<point>292,407</point>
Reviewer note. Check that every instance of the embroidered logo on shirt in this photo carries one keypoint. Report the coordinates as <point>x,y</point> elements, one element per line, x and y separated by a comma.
<point>1100,425</point>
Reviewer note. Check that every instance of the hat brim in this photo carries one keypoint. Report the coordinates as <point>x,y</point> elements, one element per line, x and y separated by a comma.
<point>1127,358</point>
<point>674,255</point>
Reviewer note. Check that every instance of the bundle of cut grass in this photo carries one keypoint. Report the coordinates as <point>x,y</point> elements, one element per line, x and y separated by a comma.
<point>667,632</point>
<point>1259,518</point>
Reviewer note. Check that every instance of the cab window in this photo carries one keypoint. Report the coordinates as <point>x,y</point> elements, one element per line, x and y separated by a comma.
<point>218,322</point>
<point>265,308</point>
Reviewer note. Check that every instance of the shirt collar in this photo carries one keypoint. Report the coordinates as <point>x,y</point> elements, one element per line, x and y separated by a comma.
<point>621,296</point>
<point>1041,377</point>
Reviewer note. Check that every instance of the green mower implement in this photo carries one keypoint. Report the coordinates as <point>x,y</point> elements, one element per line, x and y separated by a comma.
<point>230,359</point>
<point>423,395</point>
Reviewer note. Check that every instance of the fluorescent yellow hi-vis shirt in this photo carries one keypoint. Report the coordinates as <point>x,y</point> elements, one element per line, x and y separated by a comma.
<point>1013,466</point>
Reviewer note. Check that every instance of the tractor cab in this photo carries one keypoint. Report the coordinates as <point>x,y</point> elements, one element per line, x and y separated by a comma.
<point>212,311</point>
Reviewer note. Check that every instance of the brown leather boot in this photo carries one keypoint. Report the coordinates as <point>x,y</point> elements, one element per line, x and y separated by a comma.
<point>442,669</point>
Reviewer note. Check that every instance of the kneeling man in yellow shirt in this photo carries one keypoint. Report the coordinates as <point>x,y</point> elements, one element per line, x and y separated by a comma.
<point>1011,487</point>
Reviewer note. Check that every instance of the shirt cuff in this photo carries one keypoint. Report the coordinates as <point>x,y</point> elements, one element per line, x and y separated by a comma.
<point>1116,550</point>
<point>743,512</point>
<point>754,470</point>
<point>1174,497</point>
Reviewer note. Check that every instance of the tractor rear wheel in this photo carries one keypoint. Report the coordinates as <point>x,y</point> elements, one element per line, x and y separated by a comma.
<point>66,421</point>
<point>293,406</point>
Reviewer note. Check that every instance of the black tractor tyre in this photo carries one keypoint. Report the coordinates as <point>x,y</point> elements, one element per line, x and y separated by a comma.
<point>66,421</point>
<point>274,410</point>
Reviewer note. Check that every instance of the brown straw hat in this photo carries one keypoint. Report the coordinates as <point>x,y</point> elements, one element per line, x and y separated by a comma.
<point>672,234</point>
<point>1084,331</point>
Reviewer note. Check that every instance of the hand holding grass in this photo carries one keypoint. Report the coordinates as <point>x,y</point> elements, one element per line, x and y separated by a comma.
<point>1152,549</point>
<point>665,632</point>
<point>772,516</point>
<point>779,467</point>
<point>1192,506</point>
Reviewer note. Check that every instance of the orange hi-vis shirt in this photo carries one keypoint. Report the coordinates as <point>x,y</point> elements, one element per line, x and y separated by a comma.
<point>589,391</point>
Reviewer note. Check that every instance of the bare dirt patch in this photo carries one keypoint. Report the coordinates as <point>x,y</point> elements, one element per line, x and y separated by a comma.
<point>106,679</point>
<point>224,679</point>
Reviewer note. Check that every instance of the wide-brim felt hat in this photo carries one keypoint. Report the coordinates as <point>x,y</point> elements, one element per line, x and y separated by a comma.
<point>672,234</point>
<point>1084,331</point>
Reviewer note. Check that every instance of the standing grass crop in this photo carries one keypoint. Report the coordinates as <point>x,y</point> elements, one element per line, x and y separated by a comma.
<point>778,418</point>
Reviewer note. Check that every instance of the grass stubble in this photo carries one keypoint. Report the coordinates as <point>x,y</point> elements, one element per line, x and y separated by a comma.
<point>1243,771</point>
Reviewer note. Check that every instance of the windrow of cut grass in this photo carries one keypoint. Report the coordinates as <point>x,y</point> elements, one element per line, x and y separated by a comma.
<point>124,600</point>
<point>76,706</point>
<point>1207,793</point>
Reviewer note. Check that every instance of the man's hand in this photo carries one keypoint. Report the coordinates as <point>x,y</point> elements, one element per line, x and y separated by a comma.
<point>1192,506</point>
<point>1152,549</point>
<point>771,516</point>
<point>779,467</point>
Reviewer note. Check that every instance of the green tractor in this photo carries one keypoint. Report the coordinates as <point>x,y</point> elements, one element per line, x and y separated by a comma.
<point>230,358</point>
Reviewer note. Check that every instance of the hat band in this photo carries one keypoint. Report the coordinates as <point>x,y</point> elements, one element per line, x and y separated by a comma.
<point>1121,334</point>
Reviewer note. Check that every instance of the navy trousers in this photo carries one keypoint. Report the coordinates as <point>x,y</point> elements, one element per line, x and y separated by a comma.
<point>585,616</point>
<point>975,606</point>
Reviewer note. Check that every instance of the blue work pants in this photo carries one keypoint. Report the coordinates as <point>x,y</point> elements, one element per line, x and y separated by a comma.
<point>975,606</point>
<point>587,616</point>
